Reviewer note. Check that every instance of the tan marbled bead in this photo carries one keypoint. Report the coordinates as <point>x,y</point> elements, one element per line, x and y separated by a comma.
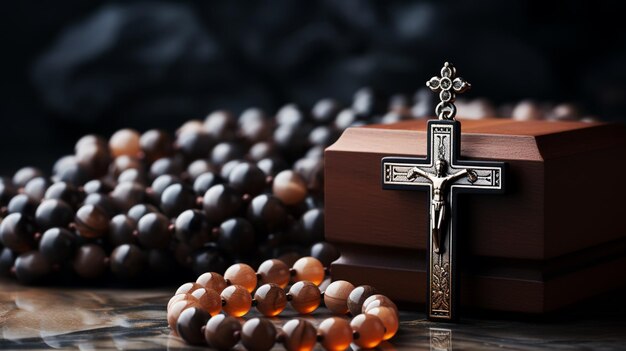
<point>177,308</point>
<point>243,275</point>
<point>237,300</point>
<point>378,300</point>
<point>176,298</point>
<point>357,297</point>
<point>91,221</point>
<point>270,299</point>
<point>213,281</point>
<point>187,288</point>
<point>274,271</point>
<point>209,299</point>
<point>305,297</point>
<point>309,269</point>
<point>336,334</point>
<point>222,332</point>
<point>389,317</point>
<point>289,187</point>
<point>125,142</point>
<point>299,335</point>
<point>370,330</point>
<point>336,296</point>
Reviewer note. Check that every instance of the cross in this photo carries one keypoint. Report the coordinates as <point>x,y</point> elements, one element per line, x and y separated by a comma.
<point>444,176</point>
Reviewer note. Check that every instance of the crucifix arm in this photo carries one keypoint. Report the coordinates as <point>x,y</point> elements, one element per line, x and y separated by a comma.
<point>462,173</point>
<point>414,172</point>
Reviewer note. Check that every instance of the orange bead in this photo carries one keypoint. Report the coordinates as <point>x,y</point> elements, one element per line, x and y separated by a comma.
<point>378,300</point>
<point>213,281</point>
<point>274,271</point>
<point>125,142</point>
<point>289,187</point>
<point>336,296</point>
<point>369,330</point>
<point>243,275</point>
<point>237,300</point>
<point>389,317</point>
<point>188,288</point>
<point>270,299</point>
<point>209,300</point>
<point>177,308</point>
<point>175,299</point>
<point>305,297</point>
<point>336,334</point>
<point>310,269</point>
<point>299,335</point>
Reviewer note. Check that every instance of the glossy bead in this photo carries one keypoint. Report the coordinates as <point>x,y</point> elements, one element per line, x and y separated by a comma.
<point>226,151</point>
<point>289,187</point>
<point>220,202</point>
<point>222,332</point>
<point>125,142</point>
<point>193,228</point>
<point>128,194</point>
<point>91,221</point>
<point>208,259</point>
<point>369,330</point>
<point>177,308</point>
<point>191,126</point>
<point>221,125</point>
<point>309,269</point>
<point>336,334</point>
<point>188,288</point>
<point>357,297</point>
<point>271,166</point>
<point>132,175</point>
<point>304,297</point>
<point>161,263</point>
<point>270,299</point>
<point>198,167</point>
<point>97,186</point>
<point>166,165</point>
<point>121,228</point>
<point>210,300</point>
<point>194,145</point>
<point>378,300</point>
<point>274,271</point>
<point>140,210</point>
<point>122,163</point>
<point>36,188</point>
<point>204,182</point>
<point>7,260</point>
<point>127,261</point>
<point>237,300</point>
<point>189,325</point>
<point>345,119</point>
<point>336,296</point>
<point>213,281</point>
<point>258,334</point>
<point>290,114</point>
<point>389,317</point>
<point>267,214</point>
<point>527,111</point>
<point>155,144</point>
<point>17,233</point>
<point>174,299</point>
<point>243,275</point>
<point>326,253</point>
<point>24,175</point>
<point>236,236</point>
<point>90,261</point>
<point>325,110</point>
<point>299,335</point>
<point>153,231</point>
<point>311,169</point>
<point>57,245</point>
<point>73,173</point>
<point>256,130</point>
<point>247,178</point>
<point>323,136</point>
<point>177,198</point>
<point>310,227</point>
<point>31,267</point>
<point>159,185</point>
<point>103,201</point>
<point>53,213</point>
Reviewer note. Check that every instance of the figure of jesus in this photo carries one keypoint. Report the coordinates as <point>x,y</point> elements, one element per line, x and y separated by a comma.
<point>440,182</point>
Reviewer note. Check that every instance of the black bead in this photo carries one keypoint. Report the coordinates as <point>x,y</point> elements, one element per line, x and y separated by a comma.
<point>7,191</point>
<point>17,233</point>
<point>132,175</point>
<point>226,151</point>
<point>166,165</point>
<point>161,263</point>
<point>323,136</point>
<point>228,167</point>
<point>136,212</point>
<point>127,261</point>
<point>177,198</point>
<point>262,150</point>
<point>310,227</point>
<point>103,201</point>
<point>345,119</point>
<point>90,261</point>
<point>53,213</point>
<point>220,202</point>
<point>153,231</point>
<point>7,260</point>
<point>291,115</point>
<point>97,186</point>
<point>325,252</point>
<point>128,194</point>
<point>236,236</point>
<point>203,182</point>
<point>197,168</point>
<point>36,188</point>
<point>73,173</point>
<point>209,259</point>
<point>292,140</point>
<point>31,267</point>
<point>155,144</point>
<point>23,204</point>
<point>272,166</point>
<point>57,245</point>
<point>193,228</point>
<point>221,125</point>
<point>24,175</point>
<point>190,323</point>
<point>160,184</point>
<point>267,214</point>
<point>194,145</point>
<point>121,230</point>
<point>66,192</point>
<point>247,178</point>
<point>325,110</point>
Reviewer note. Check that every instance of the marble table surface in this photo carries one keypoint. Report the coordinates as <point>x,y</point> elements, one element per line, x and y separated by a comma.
<point>34,318</point>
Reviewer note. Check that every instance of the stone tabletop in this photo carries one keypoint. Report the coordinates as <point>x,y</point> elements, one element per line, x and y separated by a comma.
<point>33,318</point>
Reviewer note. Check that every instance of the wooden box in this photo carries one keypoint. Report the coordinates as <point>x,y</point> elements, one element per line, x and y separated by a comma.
<point>557,235</point>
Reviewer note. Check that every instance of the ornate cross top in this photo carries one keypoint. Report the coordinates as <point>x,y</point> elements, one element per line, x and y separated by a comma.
<point>444,177</point>
<point>448,85</point>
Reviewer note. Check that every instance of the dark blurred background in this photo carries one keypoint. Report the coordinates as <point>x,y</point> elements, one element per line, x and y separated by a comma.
<point>75,67</point>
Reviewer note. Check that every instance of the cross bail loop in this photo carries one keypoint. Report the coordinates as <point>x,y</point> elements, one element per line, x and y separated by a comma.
<point>448,85</point>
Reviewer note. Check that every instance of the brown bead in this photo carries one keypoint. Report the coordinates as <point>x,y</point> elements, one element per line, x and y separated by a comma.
<point>389,317</point>
<point>369,330</point>
<point>270,299</point>
<point>122,163</point>
<point>336,334</point>
<point>299,335</point>
<point>274,271</point>
<point>237,300</point>
<point>357,297</point>
<point>378,300</point>
<point>305,297</point>
<point>177,308</point>
<point>289,187</point>
<point>155,144</point>
<point>241,274</point>
<point>188,288</point>
<point>174,299</point>
<point>336,296</point>
<point>189,325</point>
<point>210,300</point>
<point>222,332</point>
<point>213,281</point>
<point>125,142</point>
<point>258,334</point>
<point>91,221</point>
<point>309,269</point>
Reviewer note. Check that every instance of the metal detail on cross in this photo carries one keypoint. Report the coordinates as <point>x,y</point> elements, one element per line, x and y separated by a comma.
<point>444,176</point>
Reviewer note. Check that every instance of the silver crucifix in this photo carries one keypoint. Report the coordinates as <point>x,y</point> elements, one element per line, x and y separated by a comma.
<point>445,177</point>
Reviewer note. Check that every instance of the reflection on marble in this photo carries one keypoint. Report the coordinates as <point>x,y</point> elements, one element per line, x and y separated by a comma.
<point>106,319</point>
